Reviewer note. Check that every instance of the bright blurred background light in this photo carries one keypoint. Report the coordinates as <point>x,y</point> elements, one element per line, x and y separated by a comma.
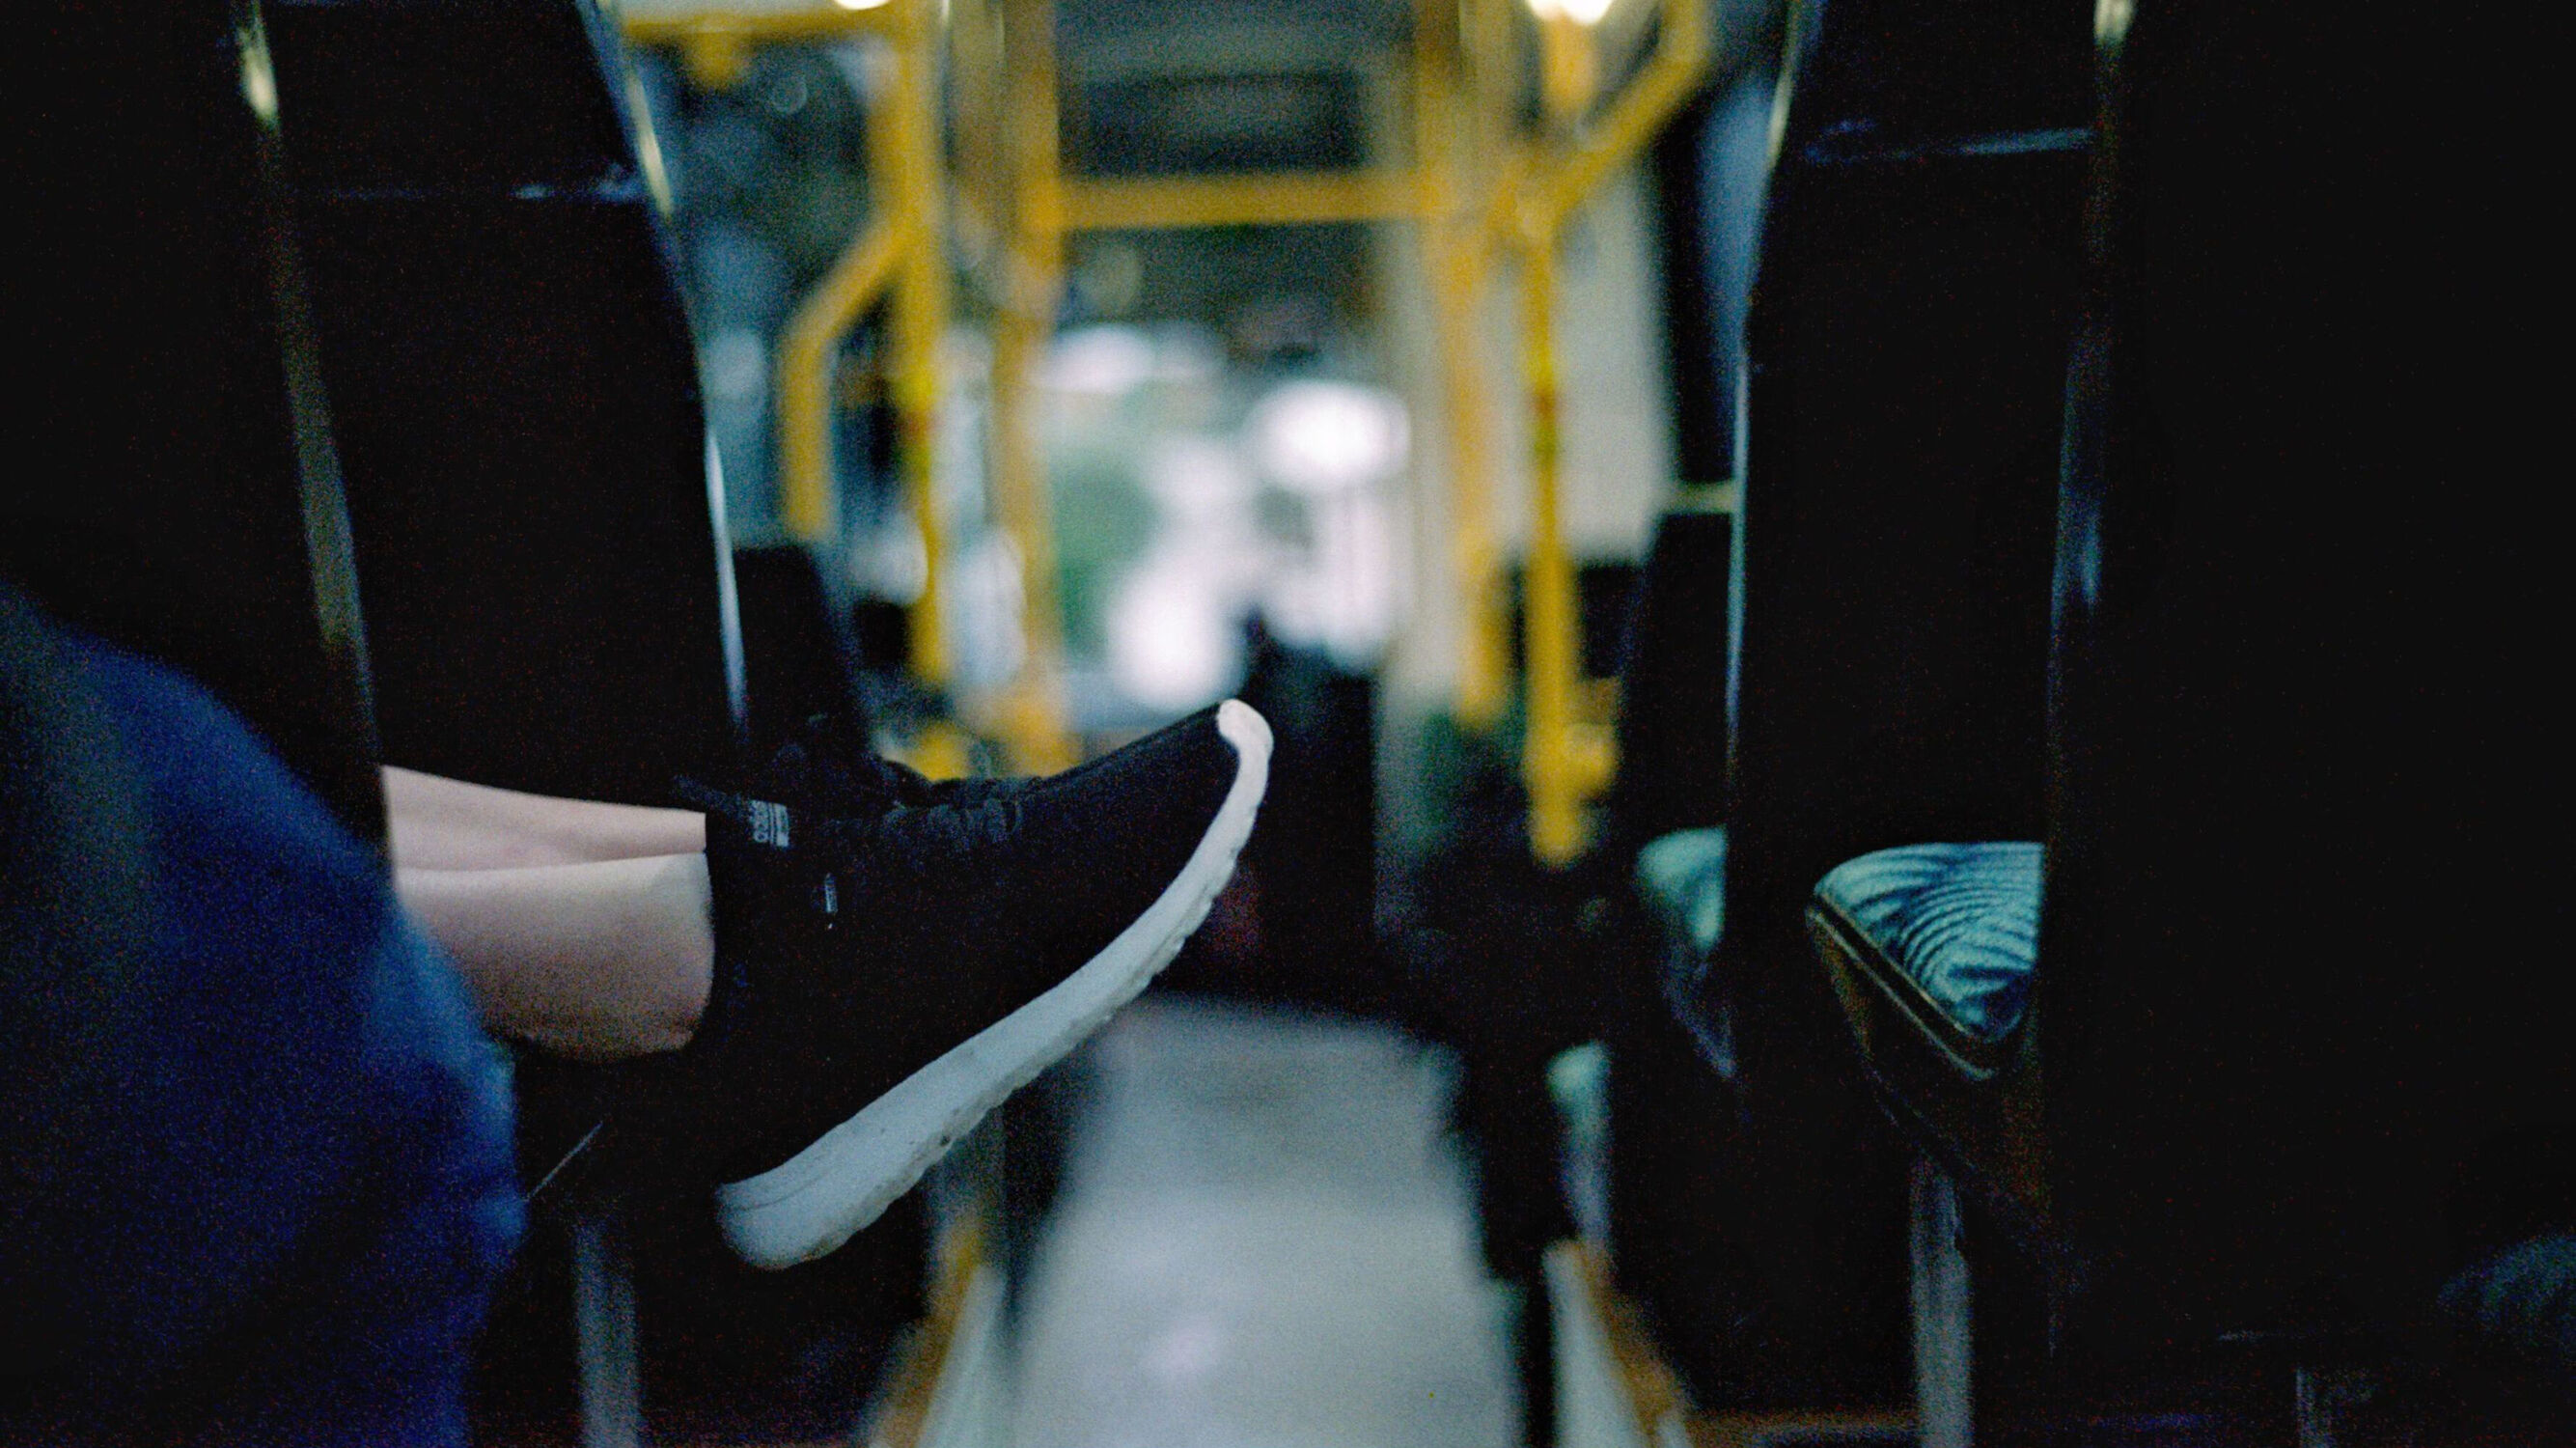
<point>1200,481</point>
<point>1581,12</point>
<point>1328,437</point>
<point>1109,361</point>
<point>858,4</point>
<point>1172,640</point>
<point>1342,598</point>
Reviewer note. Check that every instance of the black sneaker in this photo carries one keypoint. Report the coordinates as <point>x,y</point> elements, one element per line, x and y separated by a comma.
<point>885,980</point>
<point>824,768</point>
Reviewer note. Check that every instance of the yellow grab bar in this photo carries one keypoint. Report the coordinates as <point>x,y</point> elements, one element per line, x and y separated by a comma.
<point>1567,753</point>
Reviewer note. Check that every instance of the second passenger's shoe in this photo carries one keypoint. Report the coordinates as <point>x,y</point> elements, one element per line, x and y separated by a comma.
<point>885,979</point>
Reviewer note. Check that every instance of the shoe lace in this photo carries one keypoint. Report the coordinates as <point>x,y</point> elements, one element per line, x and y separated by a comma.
<point>866,775</point>
<point>935,839</point>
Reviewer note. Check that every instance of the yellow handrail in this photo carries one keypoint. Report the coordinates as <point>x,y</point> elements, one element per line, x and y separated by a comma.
<point>1635,117</point>
<point>910,162</point>
<point>1032,712</point>
<point>1292,198</point>
<point>1567,755</point>
<point>1532,192</point>
<point>1457,257</point>
<point>808,504</point>
<point>649,22</point>
<point>902,246</point>
<point>716,43</point>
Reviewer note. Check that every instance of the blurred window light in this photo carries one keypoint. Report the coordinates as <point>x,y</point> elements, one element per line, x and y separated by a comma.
<point>1341,597</point>
<point>1320,438</point>
<point>1105,361</point>
<point>1189,1352</point>
<point>1199,480</point>
<point>980,601</point>
<point>1187,355</point>
<point>890,561</point>
<point>1109,275</point>
<point>737,365</point>
<point>1173,644</point>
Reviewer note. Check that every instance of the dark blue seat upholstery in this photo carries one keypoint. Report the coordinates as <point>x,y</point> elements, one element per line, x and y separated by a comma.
<point>1953,928</point>
<point>1682,878</point>
<point>2522,1302</point>
<point>1905,360</point>
<point>2298,1075</point>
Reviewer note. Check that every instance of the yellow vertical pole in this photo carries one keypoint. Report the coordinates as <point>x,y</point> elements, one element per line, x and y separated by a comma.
<point>1032,721</point>
<point>975,43</point>
<point>1485,665</point>
<point>808,495</point>
<point>1567,755</point>
<point>920,321</point>
<point>809,505</point>
<point>1549,609</point>
<point>1566,66</point>
<point>1551,614</point>
<point>1453,252</point>
<point>1493,73</point>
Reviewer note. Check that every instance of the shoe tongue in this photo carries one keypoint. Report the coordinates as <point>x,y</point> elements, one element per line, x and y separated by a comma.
<point>829,753</point>
<point>829,785</point>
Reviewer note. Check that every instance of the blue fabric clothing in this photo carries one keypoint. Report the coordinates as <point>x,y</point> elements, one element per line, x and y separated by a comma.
<point>265,1201</point>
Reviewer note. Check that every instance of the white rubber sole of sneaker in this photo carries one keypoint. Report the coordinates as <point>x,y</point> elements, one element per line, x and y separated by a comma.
<point>813,1202</point>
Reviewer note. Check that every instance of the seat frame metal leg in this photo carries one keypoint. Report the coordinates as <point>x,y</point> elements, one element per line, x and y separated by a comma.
<point>1944,1362</point>
<point>603,1321</point>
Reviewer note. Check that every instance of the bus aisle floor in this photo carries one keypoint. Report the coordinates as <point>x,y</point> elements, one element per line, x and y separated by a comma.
<point>1264,1240</point>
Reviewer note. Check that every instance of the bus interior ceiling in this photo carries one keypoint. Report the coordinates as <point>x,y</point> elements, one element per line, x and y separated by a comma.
<point>1752,525</point>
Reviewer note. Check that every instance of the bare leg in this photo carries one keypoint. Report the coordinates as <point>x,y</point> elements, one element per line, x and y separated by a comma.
<point>595,961</point>
<point>580,927</point>
<point>447,824</point>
